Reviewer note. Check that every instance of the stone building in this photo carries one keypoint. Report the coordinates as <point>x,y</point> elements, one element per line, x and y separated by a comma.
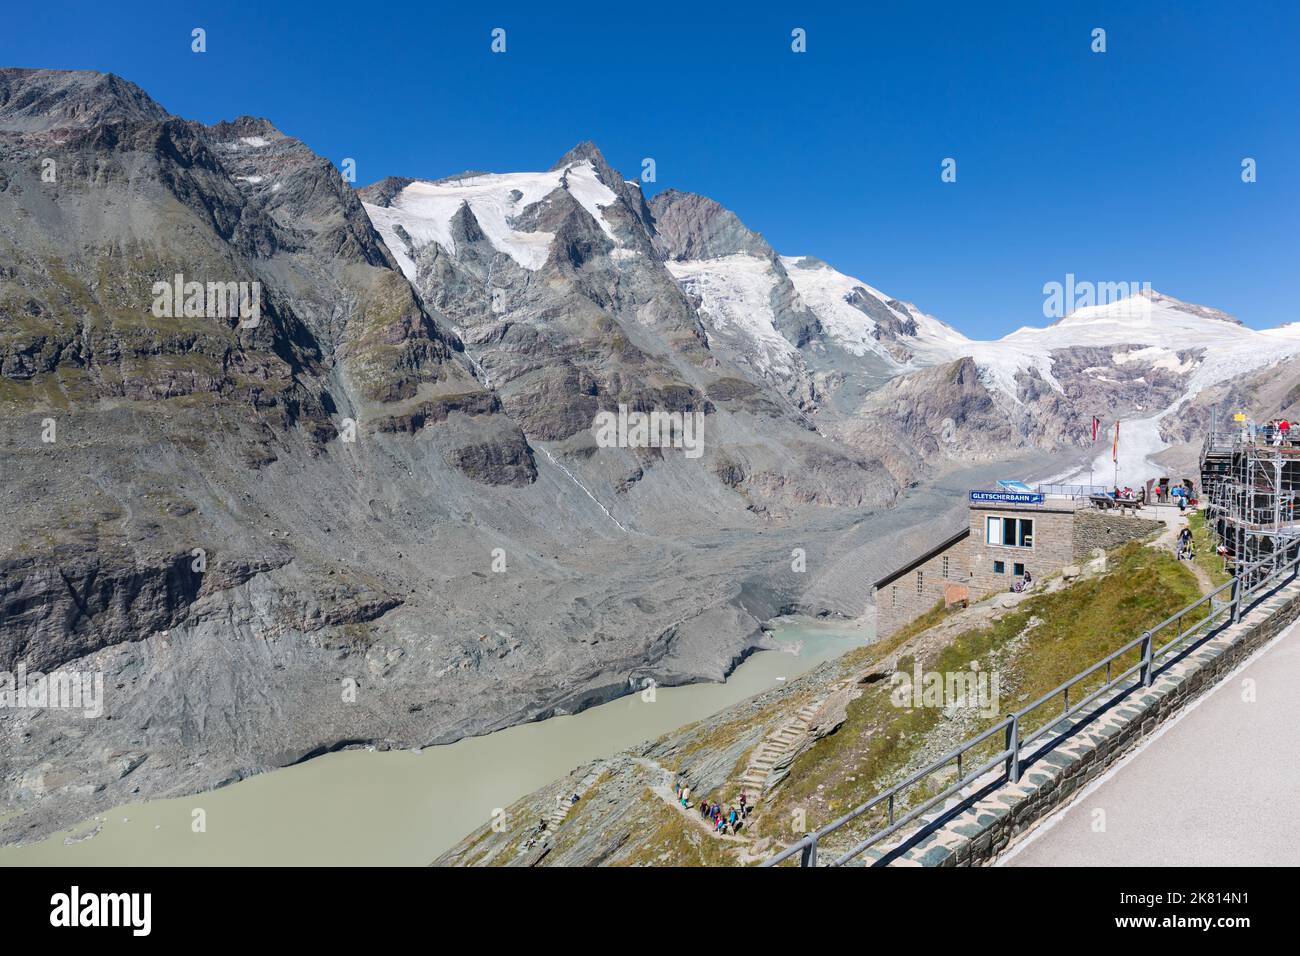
<point>1004,536</point>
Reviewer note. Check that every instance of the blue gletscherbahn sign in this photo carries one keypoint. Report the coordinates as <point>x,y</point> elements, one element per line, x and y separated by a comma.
<point>1008,497</point>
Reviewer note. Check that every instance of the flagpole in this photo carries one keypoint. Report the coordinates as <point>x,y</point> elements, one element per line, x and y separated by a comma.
<point>1115,454</point>
<point>1092,461</point>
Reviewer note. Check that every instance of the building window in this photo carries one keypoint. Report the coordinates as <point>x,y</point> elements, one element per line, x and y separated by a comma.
<point>999,567</point>
<point>945,567</point>
<point>1009,532</point>
<point>919,582</point>
<point>1018,569</point>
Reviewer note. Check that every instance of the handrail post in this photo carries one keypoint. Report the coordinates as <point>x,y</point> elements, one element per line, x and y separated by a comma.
<point>1146,658</point>
<point>1236,596</point>
<point>809,855</point>
<point>1013,745</point>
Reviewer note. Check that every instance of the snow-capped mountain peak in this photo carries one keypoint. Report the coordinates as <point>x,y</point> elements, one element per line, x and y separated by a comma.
<point>424,211</point>
<point>860,318</point>
<point>1151,326</point>
<point>830,340</point>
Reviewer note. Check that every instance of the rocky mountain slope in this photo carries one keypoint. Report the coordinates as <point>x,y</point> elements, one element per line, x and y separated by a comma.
<point>891,381</point>
<point>386,474</point>
<point>236,517</point>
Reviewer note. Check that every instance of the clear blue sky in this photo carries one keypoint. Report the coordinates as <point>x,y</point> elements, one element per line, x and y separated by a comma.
<point>1122,166</point>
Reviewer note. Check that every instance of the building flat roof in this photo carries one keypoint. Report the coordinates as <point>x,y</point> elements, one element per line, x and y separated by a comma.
<point>937,549</point>
<point>1051,506</point>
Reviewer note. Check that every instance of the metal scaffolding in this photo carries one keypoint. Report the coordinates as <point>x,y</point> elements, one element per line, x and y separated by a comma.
<point>1250,480</point>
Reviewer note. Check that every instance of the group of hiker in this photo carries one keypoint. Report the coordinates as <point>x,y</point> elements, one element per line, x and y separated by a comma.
<point>1179,494</point>
<point>727,820</point>
<point>539,831</point>
<point>1275,432</point>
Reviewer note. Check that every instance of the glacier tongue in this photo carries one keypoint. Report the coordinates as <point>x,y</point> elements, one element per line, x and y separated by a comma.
<point>735,292</point>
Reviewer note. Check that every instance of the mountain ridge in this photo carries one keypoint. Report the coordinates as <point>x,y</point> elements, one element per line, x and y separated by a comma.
<point>392,477</point>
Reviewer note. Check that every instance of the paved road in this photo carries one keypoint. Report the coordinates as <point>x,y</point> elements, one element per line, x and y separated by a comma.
<point>1219,787</point>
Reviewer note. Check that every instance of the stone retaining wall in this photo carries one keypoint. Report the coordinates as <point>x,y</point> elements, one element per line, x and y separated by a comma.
<point>1098,529</point>
<point>980,833</point>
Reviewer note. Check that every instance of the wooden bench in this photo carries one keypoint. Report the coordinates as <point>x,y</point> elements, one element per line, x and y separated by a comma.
<point>1106,502</point>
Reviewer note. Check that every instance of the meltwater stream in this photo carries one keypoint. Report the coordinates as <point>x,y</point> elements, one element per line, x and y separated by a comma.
<point>359,807</point>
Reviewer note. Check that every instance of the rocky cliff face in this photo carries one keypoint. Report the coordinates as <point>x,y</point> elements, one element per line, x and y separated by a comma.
<point>563,288</point>
<point>353,446</point>
<point>386,475</point>
<point>739,285</point>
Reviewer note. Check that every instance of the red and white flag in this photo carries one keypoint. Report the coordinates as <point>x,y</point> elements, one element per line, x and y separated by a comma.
<point>1096,424</point>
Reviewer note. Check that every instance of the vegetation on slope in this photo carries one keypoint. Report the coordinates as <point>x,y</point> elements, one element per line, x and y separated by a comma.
<point>1032,648</point>
<point>1205,540</point>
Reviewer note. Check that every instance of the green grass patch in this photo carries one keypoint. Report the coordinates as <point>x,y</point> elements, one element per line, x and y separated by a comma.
<point>1032,648</point>
<point>936,615</point>
<point>1205,540</point>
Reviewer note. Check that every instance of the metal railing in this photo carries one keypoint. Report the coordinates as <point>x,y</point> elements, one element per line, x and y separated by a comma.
<point>1209,612</point>
<point>1074,491</point>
